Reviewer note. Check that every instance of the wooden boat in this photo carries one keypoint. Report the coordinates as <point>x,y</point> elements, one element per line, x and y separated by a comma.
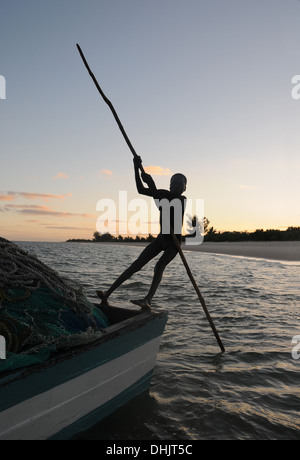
<point>74,389</point>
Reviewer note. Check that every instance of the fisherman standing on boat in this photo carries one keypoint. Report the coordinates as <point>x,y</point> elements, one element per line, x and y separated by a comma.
<point>171,204</point>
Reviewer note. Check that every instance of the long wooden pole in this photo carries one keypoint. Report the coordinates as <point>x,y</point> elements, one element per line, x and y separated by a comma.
<point>202,301</point>
<point>176,242</point>
<point>108,102</point>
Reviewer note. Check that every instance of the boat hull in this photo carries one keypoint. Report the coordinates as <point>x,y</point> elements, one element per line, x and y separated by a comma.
<point>72,393</point>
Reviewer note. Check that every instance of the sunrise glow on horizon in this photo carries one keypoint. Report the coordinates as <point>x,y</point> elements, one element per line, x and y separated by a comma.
<point>208,90</point>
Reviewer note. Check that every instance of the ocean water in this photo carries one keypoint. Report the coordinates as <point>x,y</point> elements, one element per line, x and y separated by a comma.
<point>250,392</point>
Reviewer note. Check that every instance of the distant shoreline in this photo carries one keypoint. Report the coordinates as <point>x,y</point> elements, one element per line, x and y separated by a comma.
<point>275,250</point>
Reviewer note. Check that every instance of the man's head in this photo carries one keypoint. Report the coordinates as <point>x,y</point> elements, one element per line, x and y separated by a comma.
<point>178,184</point>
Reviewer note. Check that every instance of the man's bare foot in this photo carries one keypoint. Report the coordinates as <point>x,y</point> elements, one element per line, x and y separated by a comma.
<point>143,303</point>
<point>102,295</point>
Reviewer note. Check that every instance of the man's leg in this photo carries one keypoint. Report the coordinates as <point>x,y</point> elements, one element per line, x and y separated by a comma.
<point>146,255</point>
<point>165,259</point>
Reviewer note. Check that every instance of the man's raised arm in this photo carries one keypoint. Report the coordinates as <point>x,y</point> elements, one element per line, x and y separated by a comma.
<point>146,178</point>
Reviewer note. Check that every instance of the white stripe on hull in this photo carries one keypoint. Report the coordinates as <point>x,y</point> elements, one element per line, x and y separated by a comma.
<point>48,413</point>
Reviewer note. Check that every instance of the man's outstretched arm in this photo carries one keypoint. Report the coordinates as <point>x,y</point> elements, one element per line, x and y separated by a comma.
<point>150,191</point>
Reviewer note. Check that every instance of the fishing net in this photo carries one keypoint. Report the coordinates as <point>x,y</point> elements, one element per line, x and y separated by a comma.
<point>40,311</point>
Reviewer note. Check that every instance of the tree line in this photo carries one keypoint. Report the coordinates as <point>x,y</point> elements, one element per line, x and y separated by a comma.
<point>210,234</point>
<point>290,234</point>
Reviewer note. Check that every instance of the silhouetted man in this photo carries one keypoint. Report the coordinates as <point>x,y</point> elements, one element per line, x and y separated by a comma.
<point>171,204</point>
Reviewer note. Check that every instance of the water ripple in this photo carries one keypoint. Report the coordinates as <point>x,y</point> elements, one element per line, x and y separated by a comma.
<point>251,391</point>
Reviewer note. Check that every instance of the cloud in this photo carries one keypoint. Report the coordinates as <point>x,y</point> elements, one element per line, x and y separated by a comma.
<point>157,170</point>
<point>52,212</point>
<point>10,196</point>
<point>34,221</point>
<point>6,197</point>
<point>54,227</point>
<point>45,211</point>
<point>106,172</point>
<point>28,206</point>
<point>60,175</point>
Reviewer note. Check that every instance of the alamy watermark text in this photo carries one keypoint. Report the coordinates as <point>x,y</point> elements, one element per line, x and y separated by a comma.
<point>2,347</point>
<point>2,87</point>
<point>132,217</point>
<point>296,349</point>
<point>296,88</point>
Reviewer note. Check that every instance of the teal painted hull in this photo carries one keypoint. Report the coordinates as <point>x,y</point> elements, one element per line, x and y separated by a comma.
<point>73,391</point>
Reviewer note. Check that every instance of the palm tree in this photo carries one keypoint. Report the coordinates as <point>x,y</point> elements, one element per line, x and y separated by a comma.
<point>197,225</point>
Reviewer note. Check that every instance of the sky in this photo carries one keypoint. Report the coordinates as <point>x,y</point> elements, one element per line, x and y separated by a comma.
<point>207,88</point>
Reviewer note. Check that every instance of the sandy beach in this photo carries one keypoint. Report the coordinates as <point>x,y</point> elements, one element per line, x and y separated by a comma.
<point>273,250</point>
